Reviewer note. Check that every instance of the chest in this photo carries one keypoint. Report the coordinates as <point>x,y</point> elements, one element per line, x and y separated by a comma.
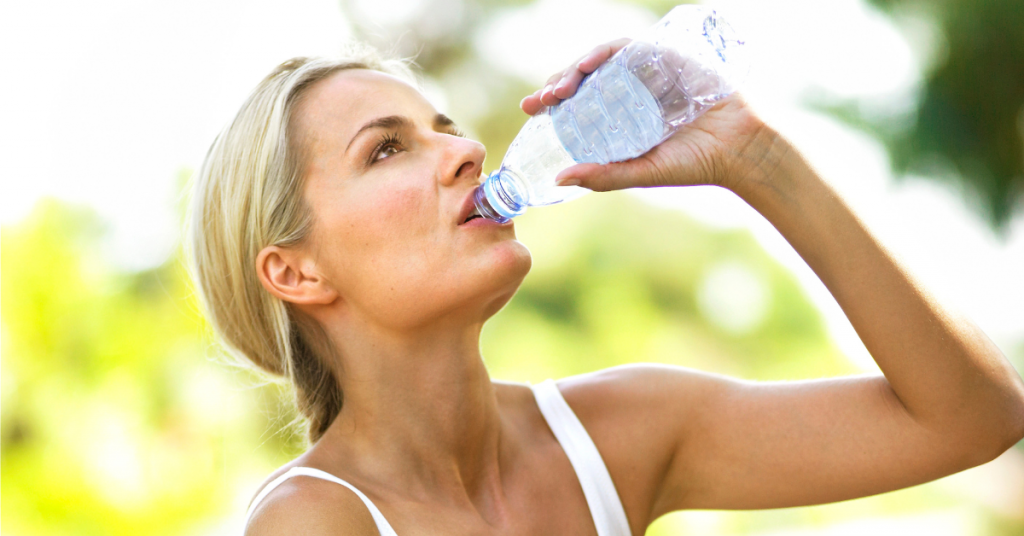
<point>543,497</point>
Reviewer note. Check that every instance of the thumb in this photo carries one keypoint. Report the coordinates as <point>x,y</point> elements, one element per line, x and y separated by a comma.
<point>597,177</point>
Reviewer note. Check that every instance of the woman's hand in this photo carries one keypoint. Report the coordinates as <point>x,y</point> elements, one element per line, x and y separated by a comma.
<point>727,146</point>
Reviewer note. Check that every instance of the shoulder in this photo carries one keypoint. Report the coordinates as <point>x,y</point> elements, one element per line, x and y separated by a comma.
<point>309,505</point>
<point>613,398</point>
<point>620,392</point>
<point>639,415</point>
<point>648,410</point>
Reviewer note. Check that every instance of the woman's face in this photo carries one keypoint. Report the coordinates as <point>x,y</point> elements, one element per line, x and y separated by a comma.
<point>389,182</point>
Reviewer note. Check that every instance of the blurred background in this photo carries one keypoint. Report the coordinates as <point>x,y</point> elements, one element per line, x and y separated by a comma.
<point>121,416</point>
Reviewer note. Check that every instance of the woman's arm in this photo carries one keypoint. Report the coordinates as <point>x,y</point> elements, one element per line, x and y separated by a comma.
<point>948,399</point>
<point>947,376</point>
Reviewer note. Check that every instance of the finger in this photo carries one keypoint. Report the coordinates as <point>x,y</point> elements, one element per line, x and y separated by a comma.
<point>531,104</point>
<point>547,96</point>
<point>600,54</point>
<point>567,86</point>
<point>563,85</point>
<point>553,79</point>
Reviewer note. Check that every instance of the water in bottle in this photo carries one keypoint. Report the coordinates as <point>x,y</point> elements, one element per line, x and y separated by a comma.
<point>668,77</point>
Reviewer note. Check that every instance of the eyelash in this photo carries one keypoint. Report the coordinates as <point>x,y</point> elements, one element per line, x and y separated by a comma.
<point>394,139</point>
<point>389,139</point>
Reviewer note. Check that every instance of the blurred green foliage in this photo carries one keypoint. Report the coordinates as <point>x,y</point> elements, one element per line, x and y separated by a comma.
<point>619,282</point>
<point>114,420</point>
<point>120,416</point>
<point>971,111</point>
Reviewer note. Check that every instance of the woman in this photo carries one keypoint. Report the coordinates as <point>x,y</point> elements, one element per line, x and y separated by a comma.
<point>332,244</point>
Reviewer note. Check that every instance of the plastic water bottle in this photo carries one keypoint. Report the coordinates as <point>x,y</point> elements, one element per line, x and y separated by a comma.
<point>666,78</point>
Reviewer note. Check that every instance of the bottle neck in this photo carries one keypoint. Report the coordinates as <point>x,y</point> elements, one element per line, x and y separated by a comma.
<point>498,198</point>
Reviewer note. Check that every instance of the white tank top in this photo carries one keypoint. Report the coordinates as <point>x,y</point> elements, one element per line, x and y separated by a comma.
<point>598,488</point>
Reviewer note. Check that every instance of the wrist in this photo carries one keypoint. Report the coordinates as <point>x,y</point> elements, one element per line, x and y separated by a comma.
<point>767,168</point>
<point>754,160</point>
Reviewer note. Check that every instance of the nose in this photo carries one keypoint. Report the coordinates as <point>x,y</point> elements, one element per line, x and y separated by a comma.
<point>463,160</point>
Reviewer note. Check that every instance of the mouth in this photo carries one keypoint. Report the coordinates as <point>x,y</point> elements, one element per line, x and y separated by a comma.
<point>472,215</point>
<point>469,211</point>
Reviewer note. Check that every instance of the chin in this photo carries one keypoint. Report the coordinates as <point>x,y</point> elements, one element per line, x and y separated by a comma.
<point>508,265</point>
<point>514,258</point>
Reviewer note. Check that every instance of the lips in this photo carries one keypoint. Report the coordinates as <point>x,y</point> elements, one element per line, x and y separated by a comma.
<point>469,211</point>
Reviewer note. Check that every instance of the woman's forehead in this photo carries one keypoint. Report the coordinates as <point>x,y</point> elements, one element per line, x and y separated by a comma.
<point>345,100</point>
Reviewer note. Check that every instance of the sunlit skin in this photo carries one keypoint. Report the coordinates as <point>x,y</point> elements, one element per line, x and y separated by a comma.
<point>402,289</point>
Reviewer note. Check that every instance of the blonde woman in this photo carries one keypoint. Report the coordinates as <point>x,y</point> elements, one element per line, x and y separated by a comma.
<point>333,244</point>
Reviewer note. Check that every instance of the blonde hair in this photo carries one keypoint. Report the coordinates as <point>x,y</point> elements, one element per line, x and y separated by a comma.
<point>248,195</point>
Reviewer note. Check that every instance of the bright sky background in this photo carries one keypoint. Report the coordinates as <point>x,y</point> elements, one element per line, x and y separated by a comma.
<point>105,103</point>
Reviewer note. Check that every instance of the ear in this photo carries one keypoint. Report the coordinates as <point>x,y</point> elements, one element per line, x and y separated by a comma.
<point>290,276</point>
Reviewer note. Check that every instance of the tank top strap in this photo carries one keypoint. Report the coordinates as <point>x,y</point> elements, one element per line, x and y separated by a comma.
<point>378,518</point>
<point>598,487</point>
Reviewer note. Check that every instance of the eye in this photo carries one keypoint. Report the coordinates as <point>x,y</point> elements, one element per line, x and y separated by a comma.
<point>387,147</point>
<point>456,131</point>
<point>386,151</point>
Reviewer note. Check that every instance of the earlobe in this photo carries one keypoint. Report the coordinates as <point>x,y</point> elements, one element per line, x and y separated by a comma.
<point>285,274</point>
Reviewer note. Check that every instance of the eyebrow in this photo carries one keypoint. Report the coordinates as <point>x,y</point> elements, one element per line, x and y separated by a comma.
<point>395,122</point>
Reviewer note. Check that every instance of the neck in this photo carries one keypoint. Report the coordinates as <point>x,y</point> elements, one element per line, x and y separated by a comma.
<point>419,409</point>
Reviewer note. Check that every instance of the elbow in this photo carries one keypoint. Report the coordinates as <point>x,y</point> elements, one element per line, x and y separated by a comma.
<point>1015,425</point>
<point>986,432</point>
<point>1012,435</point>
<point>1015,418</point>
<point>1008,430</point>
<point>985,451</point>
<point>1006,410</point>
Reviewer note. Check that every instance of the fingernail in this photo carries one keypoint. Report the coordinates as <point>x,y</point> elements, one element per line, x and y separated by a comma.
<point>571,181</point>
<point>547,89</point>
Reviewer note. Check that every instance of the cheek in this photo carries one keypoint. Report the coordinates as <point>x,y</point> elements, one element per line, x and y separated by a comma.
<point>404,205</point>
<point>376,236</point>
<point>396,220</point>
<point>380,218</point>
